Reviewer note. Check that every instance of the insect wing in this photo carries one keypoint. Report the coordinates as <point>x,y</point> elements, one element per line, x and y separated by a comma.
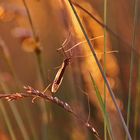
<point>56,84</point>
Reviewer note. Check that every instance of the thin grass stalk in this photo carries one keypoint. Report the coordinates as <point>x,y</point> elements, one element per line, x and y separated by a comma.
<point>102,104</point>
<point>6,117</point>
<point>137,104</point>
<point>16,114</point>
<point>38,54</point>
<point>101,70</point>
<point>105,40</point>
<point>131,65</point>
<point>7,58</point>
<point>11,68</point>
<point>41,68</point>
<point>3,109</point>
<point>7,121</point>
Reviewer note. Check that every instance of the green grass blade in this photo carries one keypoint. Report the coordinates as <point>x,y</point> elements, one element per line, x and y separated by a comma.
<point>103,109</point>
<point>131,64</point>
<point>137,104</point>
<point>102,72</point>
<point>105,41</point>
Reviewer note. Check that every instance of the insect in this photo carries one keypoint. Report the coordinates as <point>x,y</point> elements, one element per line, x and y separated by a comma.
<point>59,75</point>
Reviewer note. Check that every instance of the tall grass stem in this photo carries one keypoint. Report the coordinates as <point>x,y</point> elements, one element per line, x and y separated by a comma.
<point>137,104</point>
<point>105,41</point>
<point>131,64</point>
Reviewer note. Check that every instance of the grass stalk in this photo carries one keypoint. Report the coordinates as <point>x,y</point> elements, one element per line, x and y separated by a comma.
<point>5,115</point>
<point>15,113</point>
<point>137,104</point>
<point>103,109</point>
<point>7,121</point>
<point>101,70</point>
<point>105,41</point>
<point>6,56</point>
<point>41,68</point>
<point>38,54</point>
<point>131,65</point>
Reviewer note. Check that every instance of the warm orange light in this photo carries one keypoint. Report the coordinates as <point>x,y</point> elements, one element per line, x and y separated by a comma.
<point>1,11</point>
<point>30,45</point>
<point>5,15</point>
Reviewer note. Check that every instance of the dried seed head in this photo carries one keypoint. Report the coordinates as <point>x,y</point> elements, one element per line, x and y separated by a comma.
<point>15,96</point>
<point>30,45</point>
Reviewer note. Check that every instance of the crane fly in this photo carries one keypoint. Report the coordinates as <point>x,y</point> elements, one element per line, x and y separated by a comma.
<point>59,75</point>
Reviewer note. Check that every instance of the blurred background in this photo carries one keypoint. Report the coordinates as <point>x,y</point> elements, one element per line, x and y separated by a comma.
<point>30,34</point>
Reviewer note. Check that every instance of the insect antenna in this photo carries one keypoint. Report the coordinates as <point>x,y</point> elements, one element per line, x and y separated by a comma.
<point>79,43</point>
<point>64,44</point>
<point>59,75</point>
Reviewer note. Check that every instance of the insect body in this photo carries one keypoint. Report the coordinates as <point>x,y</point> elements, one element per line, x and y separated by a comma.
<point>59,76</point>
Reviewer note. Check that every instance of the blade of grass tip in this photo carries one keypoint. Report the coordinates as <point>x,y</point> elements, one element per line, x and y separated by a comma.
<point>105,39</point>
<point>15,113</point>
<point>102,72</point>
<point>137,104</point>
<point>40,63</point>
<point>102,106</point>
<point>131,64</point>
